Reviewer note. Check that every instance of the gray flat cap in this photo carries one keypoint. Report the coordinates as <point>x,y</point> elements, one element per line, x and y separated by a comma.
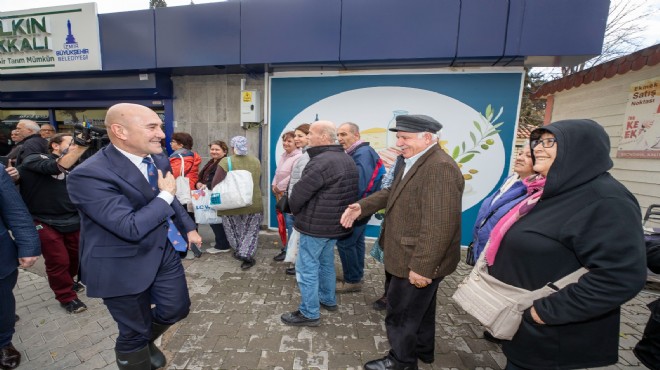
<point>416,123</point>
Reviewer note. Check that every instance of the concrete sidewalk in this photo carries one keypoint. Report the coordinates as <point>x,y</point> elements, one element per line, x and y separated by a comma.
<point>235,323</point>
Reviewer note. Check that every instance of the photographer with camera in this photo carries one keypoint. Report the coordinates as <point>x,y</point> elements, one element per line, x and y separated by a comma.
<point>43,188</point>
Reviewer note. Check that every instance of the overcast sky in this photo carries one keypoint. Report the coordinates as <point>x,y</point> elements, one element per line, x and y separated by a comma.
<point>651,24</point>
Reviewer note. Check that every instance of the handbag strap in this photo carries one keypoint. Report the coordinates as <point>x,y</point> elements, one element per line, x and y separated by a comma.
<point>228,164</point>
<point>481,267</point>
<point>183,165</point>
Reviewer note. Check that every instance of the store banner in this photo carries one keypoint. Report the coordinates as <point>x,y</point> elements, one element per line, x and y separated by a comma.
<point>478,110</point>
<point>640,137</point>
<point>53,39</point>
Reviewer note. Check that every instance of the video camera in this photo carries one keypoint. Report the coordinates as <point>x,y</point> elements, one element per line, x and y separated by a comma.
<point>84,134</point>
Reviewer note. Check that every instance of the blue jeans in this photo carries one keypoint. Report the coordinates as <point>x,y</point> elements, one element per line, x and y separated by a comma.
<point>315,274</point>
<point>289,219</point>
<point>351,253</point>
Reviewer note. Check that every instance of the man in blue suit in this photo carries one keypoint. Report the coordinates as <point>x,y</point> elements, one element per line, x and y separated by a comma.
<point>22,249</point>
<point>128,257</point>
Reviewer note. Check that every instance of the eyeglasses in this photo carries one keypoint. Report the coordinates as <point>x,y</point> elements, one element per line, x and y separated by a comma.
<point>47,130</point>
<point>546,143</point>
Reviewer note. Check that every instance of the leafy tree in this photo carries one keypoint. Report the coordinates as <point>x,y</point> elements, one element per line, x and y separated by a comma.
<point>532,112</point>
<point>157,4</point>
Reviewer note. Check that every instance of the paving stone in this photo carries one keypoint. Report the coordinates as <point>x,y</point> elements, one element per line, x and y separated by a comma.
<point>235,324</point>
<point>95,362</point>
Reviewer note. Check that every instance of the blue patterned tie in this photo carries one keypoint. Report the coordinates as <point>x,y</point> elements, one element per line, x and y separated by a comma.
<point>173,233</point>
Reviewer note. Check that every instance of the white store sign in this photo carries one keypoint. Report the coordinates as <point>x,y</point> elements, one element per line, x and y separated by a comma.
<point>53,39</point>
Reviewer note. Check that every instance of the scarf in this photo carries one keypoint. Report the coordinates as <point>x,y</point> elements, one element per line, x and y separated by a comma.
<point>534,186</point>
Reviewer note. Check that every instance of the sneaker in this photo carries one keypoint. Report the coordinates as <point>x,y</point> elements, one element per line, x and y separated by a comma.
<point>296,318</point>
<point>75,306</point>
<point>344,287</point>
<point>190,255</point>
<point>328,307</point>
<point>217,250</point>
<point>212,244</point>
<point>280,257</point>
<point>247,264</point>
<point>78,287</point>
<point>290,271</point>
<point>380,304</point>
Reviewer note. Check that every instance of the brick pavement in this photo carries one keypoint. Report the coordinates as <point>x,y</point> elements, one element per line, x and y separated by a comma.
<point>235,324</point>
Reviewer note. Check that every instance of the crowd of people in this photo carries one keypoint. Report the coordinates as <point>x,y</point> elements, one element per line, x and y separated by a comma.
<point>114,222</point>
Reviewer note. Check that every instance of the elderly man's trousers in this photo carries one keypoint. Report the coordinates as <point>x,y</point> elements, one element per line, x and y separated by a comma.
<point>410,320</point>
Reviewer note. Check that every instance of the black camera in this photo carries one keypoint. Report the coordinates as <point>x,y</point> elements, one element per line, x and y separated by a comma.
<point>84,134</point>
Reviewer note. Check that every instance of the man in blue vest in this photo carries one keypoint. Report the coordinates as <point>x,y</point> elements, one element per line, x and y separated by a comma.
<point>370,171</point>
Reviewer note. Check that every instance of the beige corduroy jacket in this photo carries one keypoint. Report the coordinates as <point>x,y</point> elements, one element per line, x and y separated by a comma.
<point>422,227</point>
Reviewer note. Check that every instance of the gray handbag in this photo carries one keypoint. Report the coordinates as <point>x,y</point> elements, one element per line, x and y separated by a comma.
<point>498,306</point>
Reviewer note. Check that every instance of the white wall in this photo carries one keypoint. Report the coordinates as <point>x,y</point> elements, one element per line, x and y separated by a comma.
<point>605,102</point>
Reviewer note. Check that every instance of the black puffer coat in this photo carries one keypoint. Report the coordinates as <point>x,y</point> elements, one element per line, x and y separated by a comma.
<point>328,185</point>
<point>584,218</point>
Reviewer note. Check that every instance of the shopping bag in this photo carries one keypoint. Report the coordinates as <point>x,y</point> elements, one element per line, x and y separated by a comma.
<point>204,214</point>
<point>235,191</point>
<point>281,226</point>
<point>183,186</point>
<point>292,247</point>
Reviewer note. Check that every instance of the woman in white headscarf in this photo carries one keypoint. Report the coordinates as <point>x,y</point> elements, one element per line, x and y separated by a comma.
<point>242,224</point>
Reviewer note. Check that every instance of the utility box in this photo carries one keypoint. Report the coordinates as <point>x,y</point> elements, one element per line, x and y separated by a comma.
<point>250,107</point>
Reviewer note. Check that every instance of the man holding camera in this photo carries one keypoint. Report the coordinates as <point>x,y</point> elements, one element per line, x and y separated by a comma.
<point>131,225</point>
<point>43,188</point>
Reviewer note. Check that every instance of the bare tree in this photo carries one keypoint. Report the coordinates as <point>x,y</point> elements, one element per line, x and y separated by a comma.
<point>157,4</point>
<point>623,35</point>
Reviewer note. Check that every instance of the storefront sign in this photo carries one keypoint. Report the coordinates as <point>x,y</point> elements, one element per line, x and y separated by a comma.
<point>478,111</point>
<point>54,39</point>
<point>640,137</point>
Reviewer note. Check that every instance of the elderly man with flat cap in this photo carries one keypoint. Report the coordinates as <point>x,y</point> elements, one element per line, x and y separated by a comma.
<point>420,238</point>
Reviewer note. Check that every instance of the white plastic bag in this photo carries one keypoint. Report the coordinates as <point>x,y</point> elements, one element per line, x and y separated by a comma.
<point>235,191</point>
<point>204,214</point>
<point>183,186</point>
<point>292,246</point>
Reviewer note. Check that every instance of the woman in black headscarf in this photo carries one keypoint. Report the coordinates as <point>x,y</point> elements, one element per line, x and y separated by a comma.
<point>583,218</point>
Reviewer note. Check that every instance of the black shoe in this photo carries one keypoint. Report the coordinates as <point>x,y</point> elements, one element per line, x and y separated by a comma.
<point>280,257</point>
<point>388,363</point>
<point>426,359</point>
<point>75,306</point>
<point>133,360</point>
<point>156,356</point>
<point>380,304</point>
<point>78,287</point>
<point>489,337</point>
<point>248,263</point>
<point>296,318</point>
<point>290,271</point>
<point>328,307</point>
<point>10,358</point>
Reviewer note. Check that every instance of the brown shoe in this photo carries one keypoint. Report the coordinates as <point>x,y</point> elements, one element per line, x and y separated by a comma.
<point>344,287</point>
<point>10,358</point>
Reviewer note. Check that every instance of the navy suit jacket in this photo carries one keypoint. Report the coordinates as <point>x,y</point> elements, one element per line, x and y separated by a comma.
<point>14,216</point>
<point>123,232</point>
